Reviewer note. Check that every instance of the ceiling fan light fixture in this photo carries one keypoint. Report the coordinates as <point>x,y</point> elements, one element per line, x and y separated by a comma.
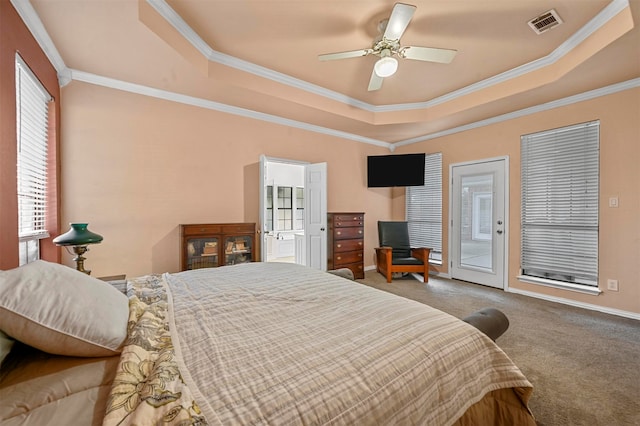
<point>386,66</point>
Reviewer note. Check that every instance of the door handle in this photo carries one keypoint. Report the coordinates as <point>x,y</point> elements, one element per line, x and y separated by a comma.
<point>499,222</point>
<point>322,229</point>
<point>499,231</point>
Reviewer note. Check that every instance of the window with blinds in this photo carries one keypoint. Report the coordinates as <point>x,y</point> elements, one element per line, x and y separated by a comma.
<point>424,208</point>
<point>32,110</point>
<point>560,181</point>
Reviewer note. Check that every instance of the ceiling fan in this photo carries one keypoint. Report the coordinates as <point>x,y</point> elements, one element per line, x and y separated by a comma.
<point>387,45</point>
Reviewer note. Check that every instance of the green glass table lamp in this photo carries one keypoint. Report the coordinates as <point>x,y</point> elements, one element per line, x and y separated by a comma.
<point>78,238</point>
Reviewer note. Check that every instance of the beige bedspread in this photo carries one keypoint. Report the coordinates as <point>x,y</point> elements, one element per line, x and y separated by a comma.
<point>41,389</point>
<point>270,343</point>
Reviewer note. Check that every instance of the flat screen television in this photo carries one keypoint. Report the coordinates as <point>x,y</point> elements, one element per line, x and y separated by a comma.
<point>395,170</point>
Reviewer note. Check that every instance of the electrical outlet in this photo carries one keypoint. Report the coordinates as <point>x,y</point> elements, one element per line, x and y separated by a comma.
<point>612,285</point>
<point>613,202</point>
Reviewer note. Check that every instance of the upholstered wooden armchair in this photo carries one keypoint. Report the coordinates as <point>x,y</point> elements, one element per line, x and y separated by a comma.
<point>395,253</point>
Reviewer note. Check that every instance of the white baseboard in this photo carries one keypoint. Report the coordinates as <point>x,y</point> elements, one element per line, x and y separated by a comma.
<point>577,304</point>
<point>561,300</point>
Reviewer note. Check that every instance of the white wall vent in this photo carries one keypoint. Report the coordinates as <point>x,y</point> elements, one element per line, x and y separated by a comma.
<point>545,22</point>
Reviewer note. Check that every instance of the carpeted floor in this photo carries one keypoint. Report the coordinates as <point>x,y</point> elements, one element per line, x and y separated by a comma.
<point>584,365</point>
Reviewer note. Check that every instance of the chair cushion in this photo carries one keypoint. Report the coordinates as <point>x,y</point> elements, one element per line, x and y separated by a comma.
<point>395,235</point>
<point>406,261</point>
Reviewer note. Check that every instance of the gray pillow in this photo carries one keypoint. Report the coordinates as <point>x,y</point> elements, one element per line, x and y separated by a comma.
<point>62,311</point>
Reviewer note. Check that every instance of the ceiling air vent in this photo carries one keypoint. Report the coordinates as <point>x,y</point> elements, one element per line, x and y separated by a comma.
<point>545,22</point>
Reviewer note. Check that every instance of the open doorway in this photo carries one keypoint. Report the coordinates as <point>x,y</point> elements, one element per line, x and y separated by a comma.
<point>293,212</point>
<point>284,211</point>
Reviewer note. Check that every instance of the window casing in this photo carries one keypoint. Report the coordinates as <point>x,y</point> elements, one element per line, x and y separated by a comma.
<point>424,209</point>
<point>299,222</point>
<point>560,197</point>
<point>269,208</point>
<point>285,208</point>
<point>32,116</point>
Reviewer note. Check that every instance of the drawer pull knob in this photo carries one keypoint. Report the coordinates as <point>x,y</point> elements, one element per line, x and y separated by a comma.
<point>338,233</point>
<point>360,231</point>
<point>339,257</point>
<point>339,245</point>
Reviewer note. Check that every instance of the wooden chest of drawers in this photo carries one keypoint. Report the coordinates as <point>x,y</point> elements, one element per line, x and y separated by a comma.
<point>346,242</point>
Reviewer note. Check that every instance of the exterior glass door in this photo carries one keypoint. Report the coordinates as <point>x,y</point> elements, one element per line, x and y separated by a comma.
<point>478,240</point>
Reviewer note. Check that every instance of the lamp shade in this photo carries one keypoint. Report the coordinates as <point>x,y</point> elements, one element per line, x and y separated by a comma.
<point>78,235</point>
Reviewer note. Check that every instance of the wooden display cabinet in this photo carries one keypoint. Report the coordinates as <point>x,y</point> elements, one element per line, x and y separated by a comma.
<point>211,245</point>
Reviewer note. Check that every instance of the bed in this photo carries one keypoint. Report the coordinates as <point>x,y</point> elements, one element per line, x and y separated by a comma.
<point>256,343</point>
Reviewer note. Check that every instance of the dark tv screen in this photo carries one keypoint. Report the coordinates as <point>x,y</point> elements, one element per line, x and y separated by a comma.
<point>395,170</point>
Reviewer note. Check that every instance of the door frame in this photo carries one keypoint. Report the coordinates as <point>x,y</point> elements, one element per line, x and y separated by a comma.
<point>264,159</point>
<point>506,222</point>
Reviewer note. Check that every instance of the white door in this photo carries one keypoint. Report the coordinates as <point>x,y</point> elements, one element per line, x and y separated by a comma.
<point>478,228</point>
<point>315,218</point>
<point>266,244</point>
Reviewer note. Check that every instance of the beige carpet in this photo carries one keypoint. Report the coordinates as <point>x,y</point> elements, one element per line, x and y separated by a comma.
<point>584,365</point>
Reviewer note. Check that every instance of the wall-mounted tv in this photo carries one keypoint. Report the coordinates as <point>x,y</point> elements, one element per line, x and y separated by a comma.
<point>395,170</point>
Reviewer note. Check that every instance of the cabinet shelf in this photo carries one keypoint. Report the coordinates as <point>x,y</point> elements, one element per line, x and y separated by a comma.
<point>216,244</point>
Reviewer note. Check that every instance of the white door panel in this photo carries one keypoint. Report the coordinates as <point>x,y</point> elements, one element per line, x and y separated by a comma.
<point>316,215</point>
<point>478,222</point>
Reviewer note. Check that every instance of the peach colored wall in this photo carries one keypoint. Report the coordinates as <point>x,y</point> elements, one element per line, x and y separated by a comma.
<point>619,235</point>
<point>153,164</point>
<point>136,167</point>
<point>15,37</point>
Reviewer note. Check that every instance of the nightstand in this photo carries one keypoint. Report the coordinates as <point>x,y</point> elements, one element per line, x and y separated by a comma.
<point>118,281</point>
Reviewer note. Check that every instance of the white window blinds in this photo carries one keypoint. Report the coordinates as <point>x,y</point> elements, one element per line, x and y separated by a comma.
<point>32,108</point>
<point>560,171</point>
<point>424,208</point>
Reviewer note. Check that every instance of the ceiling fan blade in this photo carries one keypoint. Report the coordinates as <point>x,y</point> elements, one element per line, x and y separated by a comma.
<point>376,81</point>
<point>400,17</point>
<point>430,54</point>
<point>344,55</point>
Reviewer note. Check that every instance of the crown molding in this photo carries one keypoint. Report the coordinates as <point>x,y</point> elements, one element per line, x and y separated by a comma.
<point>33,22</point>
<point>65,75</point>
<point>592,94</point>
<point>31,19</point>
<point>176,21</point>
<point>161,6</point>
<point>216,106</point>
<point>608,13</point>
<point>229,109</point>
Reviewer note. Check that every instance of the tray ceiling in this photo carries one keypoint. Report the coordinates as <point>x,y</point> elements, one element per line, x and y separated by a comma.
<point>260,58</point>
